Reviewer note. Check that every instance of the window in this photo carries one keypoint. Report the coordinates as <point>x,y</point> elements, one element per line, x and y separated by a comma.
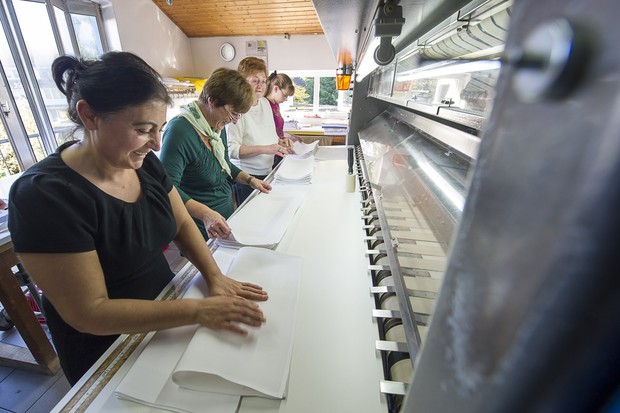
<point>305,93</point>
<point>315,97</point>
<point>87,33</point>
<point>33,33</point>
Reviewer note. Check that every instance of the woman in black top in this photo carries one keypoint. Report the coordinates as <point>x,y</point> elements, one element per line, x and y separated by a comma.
<point>90,221</point>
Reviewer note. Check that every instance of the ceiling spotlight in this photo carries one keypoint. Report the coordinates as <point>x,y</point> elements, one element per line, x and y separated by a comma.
<point>169,2</point>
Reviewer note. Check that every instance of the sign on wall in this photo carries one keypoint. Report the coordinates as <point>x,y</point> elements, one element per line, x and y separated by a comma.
<point>257,48</point>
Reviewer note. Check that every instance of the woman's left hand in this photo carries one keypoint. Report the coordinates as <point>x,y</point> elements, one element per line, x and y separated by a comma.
<point>223,285</point>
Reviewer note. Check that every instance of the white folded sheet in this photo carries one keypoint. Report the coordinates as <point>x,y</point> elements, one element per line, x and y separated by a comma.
<point>303,150</point>
<point>149,382</point>
<point>190,369</point>
<point>257,364</point>
<point>263,221</point>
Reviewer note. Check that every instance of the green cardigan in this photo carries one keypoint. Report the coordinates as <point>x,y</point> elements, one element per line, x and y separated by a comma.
<point>194,170</point>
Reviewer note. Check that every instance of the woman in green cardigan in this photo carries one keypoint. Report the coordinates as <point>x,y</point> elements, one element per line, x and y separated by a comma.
<point>195,152</point>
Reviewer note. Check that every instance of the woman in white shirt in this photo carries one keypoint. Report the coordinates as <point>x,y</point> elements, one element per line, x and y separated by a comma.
<point>253,141</point>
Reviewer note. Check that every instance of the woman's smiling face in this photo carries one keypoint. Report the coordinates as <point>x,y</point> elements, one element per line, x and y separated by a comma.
<point>125,138</point>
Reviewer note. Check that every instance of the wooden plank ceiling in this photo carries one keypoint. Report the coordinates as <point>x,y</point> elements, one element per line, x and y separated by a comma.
<point>212,18</point>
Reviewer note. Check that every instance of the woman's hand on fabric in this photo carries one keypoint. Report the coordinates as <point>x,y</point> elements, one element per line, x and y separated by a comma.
<point>287,143</point>
<point>216,225</point>
<point>262,186</point>
<point>227,313</point>
<point>223,285</point>
<point>279,150</point>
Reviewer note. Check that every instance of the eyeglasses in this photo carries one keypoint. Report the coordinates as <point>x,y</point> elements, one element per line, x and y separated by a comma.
<point>234,117</point>
<point>257,81</point>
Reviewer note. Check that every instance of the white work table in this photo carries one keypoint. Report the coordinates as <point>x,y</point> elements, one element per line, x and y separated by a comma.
<point>334,366</point>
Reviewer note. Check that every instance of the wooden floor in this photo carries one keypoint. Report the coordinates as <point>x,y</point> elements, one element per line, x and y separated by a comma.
<point>25,392</point>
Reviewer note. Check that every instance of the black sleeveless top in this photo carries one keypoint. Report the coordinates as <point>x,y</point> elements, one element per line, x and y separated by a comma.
<point>53,209</point>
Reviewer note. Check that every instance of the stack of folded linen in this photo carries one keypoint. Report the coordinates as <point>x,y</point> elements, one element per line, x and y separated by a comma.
<point>295,170</point>
<point>263,220</point>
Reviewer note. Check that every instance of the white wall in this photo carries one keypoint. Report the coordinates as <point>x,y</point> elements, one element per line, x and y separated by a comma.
<point>300,52</point>
<point>144,30</point>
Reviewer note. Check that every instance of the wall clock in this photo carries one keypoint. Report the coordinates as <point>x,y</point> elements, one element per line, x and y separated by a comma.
<point>227,52</point>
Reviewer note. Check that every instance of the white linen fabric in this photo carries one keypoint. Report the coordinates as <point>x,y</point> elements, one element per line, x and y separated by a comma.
<point>304,150</point>
<point>257,364</point>
<point>263,221</point>
<point>254,128</point>
<point>149,382</point>
<point>190,369</point>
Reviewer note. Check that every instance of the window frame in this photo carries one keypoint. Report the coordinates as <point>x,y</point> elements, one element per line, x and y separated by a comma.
<point>16,134</point>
